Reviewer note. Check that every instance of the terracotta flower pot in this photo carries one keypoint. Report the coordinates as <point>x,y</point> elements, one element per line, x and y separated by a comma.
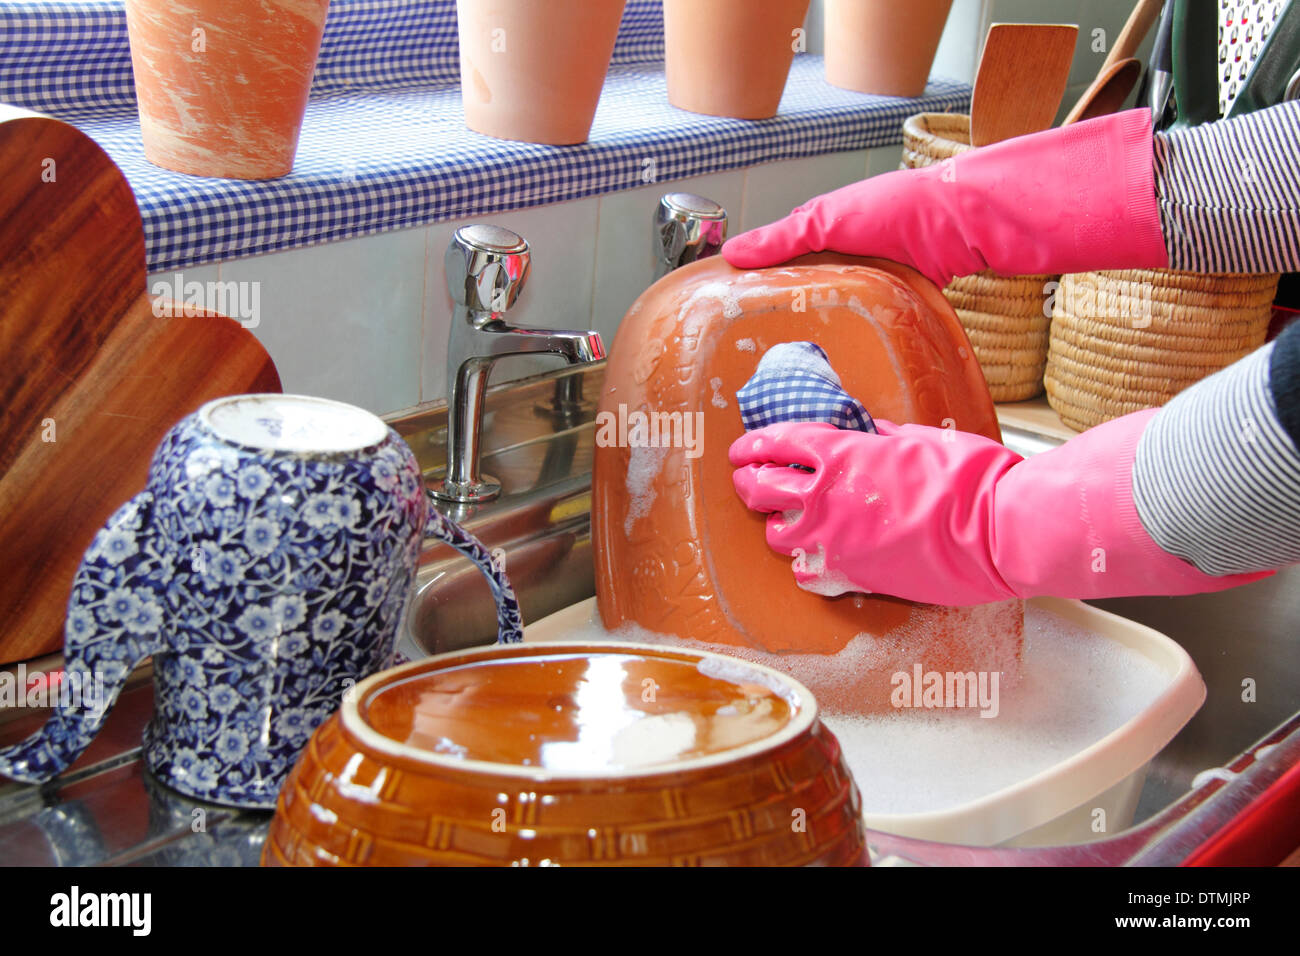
<point>533,71</point>
<point>730,57</point>
<point>223,84</point>
<point>881,46</point>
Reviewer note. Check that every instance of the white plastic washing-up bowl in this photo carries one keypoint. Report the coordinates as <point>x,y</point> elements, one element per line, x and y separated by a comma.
<point>1058,805</point>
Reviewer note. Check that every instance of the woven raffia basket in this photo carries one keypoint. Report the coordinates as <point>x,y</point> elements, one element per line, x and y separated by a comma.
<point>1128,340</point>
<point>1004,316</point>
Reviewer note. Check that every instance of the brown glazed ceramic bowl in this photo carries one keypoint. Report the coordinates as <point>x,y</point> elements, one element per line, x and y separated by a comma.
<point>571,754</point>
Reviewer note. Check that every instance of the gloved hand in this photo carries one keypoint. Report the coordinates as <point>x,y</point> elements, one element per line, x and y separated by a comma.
<point>947,517</point>
<point>1071,199</point>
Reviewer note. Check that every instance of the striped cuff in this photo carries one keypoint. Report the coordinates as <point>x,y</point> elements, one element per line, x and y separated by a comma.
<point>1216,479</point>
<point>1229,193</point>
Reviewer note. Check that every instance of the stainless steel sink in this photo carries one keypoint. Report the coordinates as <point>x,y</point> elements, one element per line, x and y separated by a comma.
<point>108,811</point>
<point>542,526</point>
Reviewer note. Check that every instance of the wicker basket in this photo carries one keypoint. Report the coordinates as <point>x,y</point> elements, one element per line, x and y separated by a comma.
<point>1004,316</point>
<point>1128,340</point>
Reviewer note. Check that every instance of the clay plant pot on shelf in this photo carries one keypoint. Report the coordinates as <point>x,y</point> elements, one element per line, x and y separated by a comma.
<point>730,57</point>
<point>882,46</point>
<point>533,71</point>
<point>223,84</point>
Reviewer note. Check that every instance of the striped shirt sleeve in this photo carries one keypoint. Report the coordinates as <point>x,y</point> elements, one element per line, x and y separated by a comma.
<point>1216,479</point>
<point>1229,193</point>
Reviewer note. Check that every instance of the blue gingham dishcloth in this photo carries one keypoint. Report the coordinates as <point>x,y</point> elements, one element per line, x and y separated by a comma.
<point>794,382</point>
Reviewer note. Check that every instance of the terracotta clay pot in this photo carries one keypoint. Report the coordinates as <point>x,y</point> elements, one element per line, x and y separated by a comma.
<point>881,46</point>
<point>533,71</point>
<point>223,84</point>
<point>730,57</point>
<point>677,552</point>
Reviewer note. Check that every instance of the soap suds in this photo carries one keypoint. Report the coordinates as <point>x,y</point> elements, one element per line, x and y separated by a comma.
<point>643,466</point>
<point>1075,688</point>
<point>831,584</point>
<point>1072,688</point>
<point>449,747</point>
<point>825,581</point>
<point>718,401</point>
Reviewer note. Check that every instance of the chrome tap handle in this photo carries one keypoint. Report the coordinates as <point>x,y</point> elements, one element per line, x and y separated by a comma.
<point>686,228</point>
<point>486,268</point>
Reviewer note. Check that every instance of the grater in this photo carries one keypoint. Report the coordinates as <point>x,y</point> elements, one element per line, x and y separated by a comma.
<point>1243,28</point>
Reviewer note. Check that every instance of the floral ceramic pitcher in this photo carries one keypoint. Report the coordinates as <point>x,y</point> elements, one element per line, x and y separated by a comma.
<point>266,567</point>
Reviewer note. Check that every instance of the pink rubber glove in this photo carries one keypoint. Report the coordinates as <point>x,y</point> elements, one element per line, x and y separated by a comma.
<point>1071,199</point>
<point>946,517</point>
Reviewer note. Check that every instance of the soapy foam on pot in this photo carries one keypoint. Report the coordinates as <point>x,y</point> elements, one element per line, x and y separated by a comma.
<point>828,582</point>
<point>718,401</point>
<point>643,466</point>
<point>728,294</point>
<point>1072,688</point>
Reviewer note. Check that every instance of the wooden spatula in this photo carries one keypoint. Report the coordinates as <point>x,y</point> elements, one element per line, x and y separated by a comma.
<point>1022,76</point>
<point>90,377</point>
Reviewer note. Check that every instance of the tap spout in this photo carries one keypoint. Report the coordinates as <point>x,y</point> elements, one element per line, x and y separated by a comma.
<point>486,269</point>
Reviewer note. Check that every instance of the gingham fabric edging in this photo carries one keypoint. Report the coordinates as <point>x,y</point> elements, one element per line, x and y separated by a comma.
<point>384,144</point>
<point>794,382</point>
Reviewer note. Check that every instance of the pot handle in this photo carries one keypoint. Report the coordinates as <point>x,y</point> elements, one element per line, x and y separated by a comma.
<point>510,624</point>
<point>115,620</point>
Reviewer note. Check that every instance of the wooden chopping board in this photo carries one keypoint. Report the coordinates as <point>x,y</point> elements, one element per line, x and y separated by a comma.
<point>90,378</point>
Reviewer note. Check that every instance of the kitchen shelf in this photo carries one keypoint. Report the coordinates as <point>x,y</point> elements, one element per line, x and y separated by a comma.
<point>1035,416</point>
<point>384,144</point>
<point>370,161</point>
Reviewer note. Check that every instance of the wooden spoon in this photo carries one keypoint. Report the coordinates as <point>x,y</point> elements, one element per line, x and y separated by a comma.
<point>1112,77</point>
<point>1107,93</point>
<point>1022,76</point>
<point>1135,31</point>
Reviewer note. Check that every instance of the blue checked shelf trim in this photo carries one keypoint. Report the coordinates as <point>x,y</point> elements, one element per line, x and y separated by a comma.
<point>384,144</point>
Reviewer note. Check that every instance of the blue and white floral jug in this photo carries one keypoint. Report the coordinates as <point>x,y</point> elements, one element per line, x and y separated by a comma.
<point>266,567</point>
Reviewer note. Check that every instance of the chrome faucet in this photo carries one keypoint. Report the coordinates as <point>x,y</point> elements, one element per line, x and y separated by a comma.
<point>687,227</point>
<point>486,270</point>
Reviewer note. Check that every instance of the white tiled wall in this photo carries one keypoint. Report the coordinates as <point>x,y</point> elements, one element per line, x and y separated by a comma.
<point>366,321</point>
